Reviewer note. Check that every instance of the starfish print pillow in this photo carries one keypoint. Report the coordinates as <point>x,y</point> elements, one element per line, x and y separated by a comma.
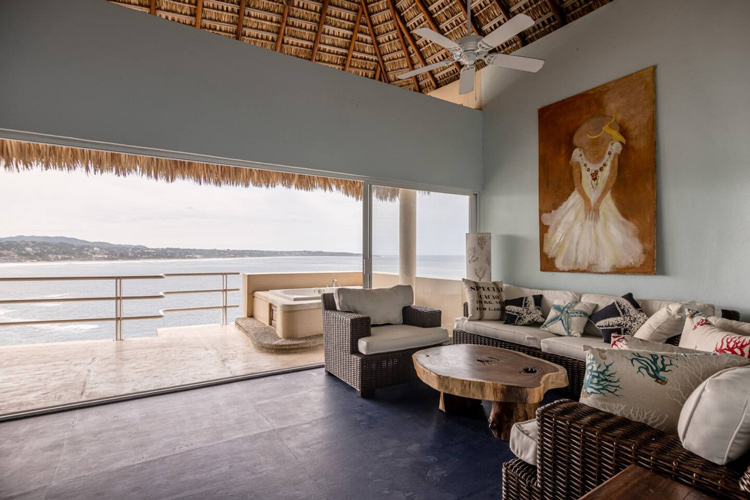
<point>624,316</point>
<point>524,310</point>
<point>568,318</point>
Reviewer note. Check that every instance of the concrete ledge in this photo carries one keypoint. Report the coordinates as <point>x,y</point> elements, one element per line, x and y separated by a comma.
<point>264,337</point>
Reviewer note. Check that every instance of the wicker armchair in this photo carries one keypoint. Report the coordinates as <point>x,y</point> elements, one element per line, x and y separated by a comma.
<point>366,373</point>
<point>575,367</point>
<point>581,447</point>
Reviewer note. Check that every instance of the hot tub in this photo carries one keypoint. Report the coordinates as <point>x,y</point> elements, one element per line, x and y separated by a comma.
<point>293,312</point>
<point>300,294</point>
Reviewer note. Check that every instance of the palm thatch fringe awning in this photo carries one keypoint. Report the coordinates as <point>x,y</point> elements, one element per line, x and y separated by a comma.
<point>18,156</point>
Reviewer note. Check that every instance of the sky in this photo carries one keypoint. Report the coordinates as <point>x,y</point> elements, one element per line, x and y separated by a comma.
<point>135,210</point>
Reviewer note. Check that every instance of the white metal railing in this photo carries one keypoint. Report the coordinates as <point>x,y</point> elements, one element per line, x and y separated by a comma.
<point>118,298</point>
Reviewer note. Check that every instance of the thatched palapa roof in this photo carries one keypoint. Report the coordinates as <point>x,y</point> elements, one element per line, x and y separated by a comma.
<point>370,38</point>
<point>19,156</point>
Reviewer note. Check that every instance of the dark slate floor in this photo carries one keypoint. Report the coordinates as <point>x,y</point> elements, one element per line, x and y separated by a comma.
<point>303,435</point>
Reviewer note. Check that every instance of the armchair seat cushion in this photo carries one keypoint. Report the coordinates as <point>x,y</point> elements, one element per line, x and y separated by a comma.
<point>390,338</point>
<point>572,347</point>
<point>524,437</point>
<point>382,305</point>
<point>530,336</point>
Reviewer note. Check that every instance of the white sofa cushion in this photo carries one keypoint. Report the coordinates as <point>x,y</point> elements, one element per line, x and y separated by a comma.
<point>530,336</point>
<point>548,296</point>
<point>739,327</point>
<point>523,440</point>
<point>715,421</point>
<point>663,324</point>
<point>382,305</point>
<point>390,338</point>
<point>572,347</point>
<point>651,306</point>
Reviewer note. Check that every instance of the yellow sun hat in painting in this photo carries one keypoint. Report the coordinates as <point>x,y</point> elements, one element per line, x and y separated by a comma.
<point>597,132</point>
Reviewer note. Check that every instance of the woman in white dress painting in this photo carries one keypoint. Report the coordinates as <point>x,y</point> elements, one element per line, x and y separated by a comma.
<point>587,232</point>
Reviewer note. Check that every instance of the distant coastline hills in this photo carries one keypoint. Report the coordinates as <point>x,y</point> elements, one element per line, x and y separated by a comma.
<point>61,248</point>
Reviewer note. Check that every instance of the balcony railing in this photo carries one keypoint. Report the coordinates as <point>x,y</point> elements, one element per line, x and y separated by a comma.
<point>118,299</point>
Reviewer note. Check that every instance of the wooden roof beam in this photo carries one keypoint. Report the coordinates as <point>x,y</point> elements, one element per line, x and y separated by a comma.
<point>403,44</point>
<point>354,39</point>
<point>383,73</point>
<point>506,14</point>
<point>414,47</point>
<point>152,8</point>
<point>319,33</point>
<point>198,13</point>
<point>241,20</point>
<point>557,12</point>
<point>282,28</point>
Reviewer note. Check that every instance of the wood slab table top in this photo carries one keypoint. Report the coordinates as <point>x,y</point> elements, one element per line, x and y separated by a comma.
<point>488,373</point>
<point>637,482</point>
<point>466,374</point>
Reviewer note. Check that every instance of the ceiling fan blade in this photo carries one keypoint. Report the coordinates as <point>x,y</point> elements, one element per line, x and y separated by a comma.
<point>437,38</point>
<point>515,62</point>
<point>466,83</point>
<point>508,30</point>
<point>425,69</point>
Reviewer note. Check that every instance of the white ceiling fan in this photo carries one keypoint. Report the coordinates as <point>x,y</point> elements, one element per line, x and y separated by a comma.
<point>472,48</point>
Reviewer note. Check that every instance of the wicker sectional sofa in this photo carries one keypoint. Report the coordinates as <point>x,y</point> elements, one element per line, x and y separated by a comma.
<point>580,447</point>
<point>564,351</point>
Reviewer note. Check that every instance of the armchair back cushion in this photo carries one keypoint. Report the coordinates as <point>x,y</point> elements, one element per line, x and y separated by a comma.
<point>715,421</point>
<point>382,305</point>
<point>646,386</point>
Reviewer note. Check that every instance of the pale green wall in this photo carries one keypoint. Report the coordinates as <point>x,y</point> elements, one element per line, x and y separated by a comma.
<point>89,69</point>
<point>700,50</point>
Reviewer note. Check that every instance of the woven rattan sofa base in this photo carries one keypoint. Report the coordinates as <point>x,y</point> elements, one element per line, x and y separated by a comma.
<point>581,447</point>
<point>519,481</point>
<point>575,368</point>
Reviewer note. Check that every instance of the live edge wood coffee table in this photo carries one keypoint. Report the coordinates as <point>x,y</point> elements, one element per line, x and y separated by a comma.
<point>467,374</point>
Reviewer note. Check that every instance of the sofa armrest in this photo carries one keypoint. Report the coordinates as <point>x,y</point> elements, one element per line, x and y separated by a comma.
<point>342,330</point>
<point>421,316</point>
<point>581,447</point>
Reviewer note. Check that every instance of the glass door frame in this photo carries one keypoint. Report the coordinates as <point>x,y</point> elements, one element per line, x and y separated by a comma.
<point>367,193</point>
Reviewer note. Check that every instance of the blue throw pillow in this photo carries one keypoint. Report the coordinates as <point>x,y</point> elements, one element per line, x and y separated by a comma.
<point>524,310</point>
<point>624,316</point>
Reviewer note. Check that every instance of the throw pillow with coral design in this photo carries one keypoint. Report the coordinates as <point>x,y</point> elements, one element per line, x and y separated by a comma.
<point>648,387</point>
<point>702,334</point>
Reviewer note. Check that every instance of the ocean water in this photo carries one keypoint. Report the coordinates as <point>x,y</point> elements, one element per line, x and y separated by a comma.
<point>450,266</point>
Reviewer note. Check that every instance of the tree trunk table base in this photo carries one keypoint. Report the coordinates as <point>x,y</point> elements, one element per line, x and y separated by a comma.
<point>457,404</point>
<point>504,415</point>
<point>465,375</point>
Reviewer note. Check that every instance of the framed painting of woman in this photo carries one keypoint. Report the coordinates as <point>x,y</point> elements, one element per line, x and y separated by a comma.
<point>597,179</point>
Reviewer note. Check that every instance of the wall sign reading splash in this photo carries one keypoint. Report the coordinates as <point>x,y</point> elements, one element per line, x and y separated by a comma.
<point>597,179</point>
